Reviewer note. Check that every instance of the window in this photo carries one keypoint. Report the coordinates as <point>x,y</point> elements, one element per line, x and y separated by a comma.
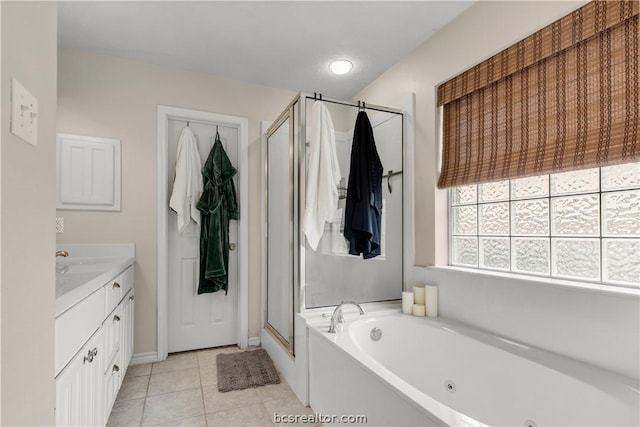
<point>582,225</point>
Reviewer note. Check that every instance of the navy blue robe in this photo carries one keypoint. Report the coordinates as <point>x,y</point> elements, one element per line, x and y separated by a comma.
<point>363,211</point>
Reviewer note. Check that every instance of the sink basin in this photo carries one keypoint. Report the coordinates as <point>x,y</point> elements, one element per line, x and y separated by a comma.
<point>87,268</point>
<point>84,261</point>
<point>74,272</point>
<point>66,282</point>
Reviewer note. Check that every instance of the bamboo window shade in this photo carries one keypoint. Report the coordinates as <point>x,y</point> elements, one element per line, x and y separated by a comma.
<point>564,98</point>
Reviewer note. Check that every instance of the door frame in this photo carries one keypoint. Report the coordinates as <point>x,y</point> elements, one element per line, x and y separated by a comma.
<point>165,113</point>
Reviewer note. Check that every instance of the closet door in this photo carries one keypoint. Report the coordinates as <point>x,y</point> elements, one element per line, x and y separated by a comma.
<point>205,320</point>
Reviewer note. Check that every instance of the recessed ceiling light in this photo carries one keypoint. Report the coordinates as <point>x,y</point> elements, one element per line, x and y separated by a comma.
<point>340,66</point>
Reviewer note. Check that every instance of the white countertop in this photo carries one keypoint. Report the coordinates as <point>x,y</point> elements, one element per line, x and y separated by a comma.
<point>88,267</point>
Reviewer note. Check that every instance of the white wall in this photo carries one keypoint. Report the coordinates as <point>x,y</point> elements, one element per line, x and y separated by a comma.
<point>478,33</point>
<point>106,96</point>
<point>27,212</point>
<point>591,326</point>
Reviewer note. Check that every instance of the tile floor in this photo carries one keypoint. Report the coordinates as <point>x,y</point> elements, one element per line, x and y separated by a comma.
<point>183,391</point>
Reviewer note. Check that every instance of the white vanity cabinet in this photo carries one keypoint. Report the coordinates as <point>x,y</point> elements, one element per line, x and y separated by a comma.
<point>78,396</point>
<point>87,386</point>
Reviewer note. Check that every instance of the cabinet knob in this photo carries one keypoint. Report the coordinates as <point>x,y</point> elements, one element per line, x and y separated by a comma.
<point>131,298</point>
<point>232,246</point>
<point>89,357</point>
<point>116,318</point>
<point>94,351</point>
<point>116,285</point>
<point>115,369</point>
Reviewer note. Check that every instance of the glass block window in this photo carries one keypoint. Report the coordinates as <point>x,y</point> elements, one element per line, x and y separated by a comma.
<point>582,225</point>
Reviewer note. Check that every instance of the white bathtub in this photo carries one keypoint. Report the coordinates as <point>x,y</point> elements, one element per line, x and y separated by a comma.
<point>430,372</point>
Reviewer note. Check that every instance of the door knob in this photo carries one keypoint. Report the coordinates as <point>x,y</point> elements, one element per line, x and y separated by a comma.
<point>232,246</point>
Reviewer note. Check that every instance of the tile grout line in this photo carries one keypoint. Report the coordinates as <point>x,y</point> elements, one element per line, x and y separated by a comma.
<point>166,392</point>
<point>146,395</point>
<point>201,387</point>
<point>167,372</point>
<point>204,407</point>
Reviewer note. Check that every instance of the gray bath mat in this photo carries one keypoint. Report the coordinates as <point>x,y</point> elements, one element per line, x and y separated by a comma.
<point>253,368</point>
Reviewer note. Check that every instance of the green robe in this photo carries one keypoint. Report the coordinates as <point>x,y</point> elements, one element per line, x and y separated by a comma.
<point>218,205</point>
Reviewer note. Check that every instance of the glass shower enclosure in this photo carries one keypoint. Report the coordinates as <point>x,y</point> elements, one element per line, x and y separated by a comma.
<point>297,278</point>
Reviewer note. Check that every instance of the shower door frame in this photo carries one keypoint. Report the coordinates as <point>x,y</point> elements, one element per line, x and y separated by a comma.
<point>302,173</point>
<point>298,133</point>
<point>289,113</point>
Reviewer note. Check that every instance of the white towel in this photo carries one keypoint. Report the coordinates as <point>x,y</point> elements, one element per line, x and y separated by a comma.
<point>187,185</point>
<point>323,175</point>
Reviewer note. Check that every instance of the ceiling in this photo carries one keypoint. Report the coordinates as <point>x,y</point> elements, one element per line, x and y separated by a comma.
<point>285,44</point>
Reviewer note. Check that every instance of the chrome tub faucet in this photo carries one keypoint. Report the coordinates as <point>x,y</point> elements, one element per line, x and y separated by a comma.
<point>337,317</point>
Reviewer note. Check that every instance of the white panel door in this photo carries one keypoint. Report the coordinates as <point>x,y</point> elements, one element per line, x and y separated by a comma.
<point>205,320</point>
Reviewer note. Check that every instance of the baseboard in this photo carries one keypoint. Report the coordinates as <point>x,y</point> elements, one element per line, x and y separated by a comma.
<point>254,342</point>
<point>142,358</point>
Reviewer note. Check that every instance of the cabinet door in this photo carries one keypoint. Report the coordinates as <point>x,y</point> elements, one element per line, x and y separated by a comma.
<point>127,279</point>
<point>111,383</point>
<point>93,397</point>
<point>127,330</point>
<point>114,293</point>
<point>79,389</point>
<point>69,389</point>
<point>131,324</point>
<point>88,175</point>
<point>113,330</point>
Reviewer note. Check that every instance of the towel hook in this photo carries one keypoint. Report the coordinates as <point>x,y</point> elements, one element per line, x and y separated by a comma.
<point>315,97</point>
<point>320,97</point>
<point>187,123</point>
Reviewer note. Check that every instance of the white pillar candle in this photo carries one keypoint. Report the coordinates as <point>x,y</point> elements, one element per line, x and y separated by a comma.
<point>418,294</point>
<point>407,302</point>
<point>432,300</point>
<point>418,310</point>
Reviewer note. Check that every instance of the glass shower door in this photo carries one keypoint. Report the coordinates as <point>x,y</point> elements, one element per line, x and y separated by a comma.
<point>280,230</point>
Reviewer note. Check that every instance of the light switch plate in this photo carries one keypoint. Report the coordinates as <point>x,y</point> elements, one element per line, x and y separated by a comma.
<point>59,225</point>
<point>24,113</point>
